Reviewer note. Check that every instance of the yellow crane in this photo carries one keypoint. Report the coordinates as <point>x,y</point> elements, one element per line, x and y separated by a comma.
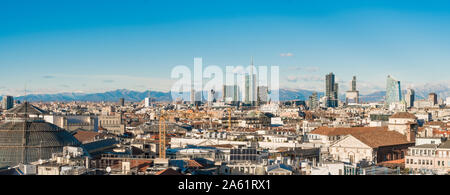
<point>229,119</point>
<point>162,136</point>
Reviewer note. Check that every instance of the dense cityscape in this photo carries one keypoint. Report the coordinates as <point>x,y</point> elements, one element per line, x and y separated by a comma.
<point>229,133</point>
<point>235,95</point>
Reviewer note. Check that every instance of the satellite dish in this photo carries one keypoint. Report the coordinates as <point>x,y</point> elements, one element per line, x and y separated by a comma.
<point>108,169</point>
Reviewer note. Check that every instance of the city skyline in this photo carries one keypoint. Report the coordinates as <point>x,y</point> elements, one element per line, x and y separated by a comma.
<point>136,46</point>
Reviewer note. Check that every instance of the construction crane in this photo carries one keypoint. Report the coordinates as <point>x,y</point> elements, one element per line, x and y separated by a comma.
<point>229,119</point>
<point>162,136</point>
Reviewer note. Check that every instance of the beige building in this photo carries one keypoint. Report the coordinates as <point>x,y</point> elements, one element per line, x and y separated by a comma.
<point>401,122</point>
<point>73,123</point>
<point>48,169</point>
<point>112,123</point>
<point>429,157</point>
<point>368,144</point>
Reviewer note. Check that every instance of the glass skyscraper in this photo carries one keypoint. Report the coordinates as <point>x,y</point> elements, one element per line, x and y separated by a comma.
<point>393,91</point>
<point>331,91</point>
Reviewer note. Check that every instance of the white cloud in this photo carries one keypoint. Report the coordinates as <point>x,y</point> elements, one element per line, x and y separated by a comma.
<point>286,54</point>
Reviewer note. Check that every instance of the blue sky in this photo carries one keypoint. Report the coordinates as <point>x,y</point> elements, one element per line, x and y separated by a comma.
<point>94,46</point>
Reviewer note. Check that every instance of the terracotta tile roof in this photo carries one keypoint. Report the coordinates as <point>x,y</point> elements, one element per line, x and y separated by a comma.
<point>168,171</point>
<point>344,131</point>
<point>393,163</point>
<point>398,161</point>
<point>435,123</point>
<point>372,136</point>
<point>86,136</point>
<point>140,163</point>
<point>379,138</point>
<point>403,115</point>
<point>193,164</point>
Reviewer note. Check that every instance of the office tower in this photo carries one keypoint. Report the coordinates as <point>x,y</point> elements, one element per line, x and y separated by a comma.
<point>353,95</point>
<point>196,97</point>
<point>336,90</point>
<point>230,94</point>
<point>432,97</point>
<point>250,87</point>
<point>147,102</point>
<point>192,96</point>
<point>247,89</point>
<point>121,101</point>
<point>263,94</point>
<point>409,98</point>
<point>331,91</point>
<point>7,102</point>
<point>313,101</point>
<point>211,97</point>
<point>393,91</point>
<point>354,83</point>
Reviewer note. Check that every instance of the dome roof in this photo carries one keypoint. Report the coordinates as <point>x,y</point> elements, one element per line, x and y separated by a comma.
<point>31,140</point>
<point>25,108</point>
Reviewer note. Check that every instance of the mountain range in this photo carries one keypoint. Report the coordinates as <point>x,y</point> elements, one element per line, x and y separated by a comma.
<point>443,91</point>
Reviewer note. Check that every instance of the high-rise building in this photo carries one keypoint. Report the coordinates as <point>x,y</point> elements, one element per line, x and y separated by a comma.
<point>263,94</point>
<point>432,97</point>
<point>247,89</point>
<point>196,97</point>
<point>192,96</point>
<point>313,101</point>
<point>211,97</point>
<point>354,83</point>
<point>393,91</point>
<point>250,87</point>
<point>7,102</point>
<point>353,95</point>
<point>331,91</point>
<point>147,102</point>
<point>230,94</point>
<point>121,101</point>
<point>410,98</point>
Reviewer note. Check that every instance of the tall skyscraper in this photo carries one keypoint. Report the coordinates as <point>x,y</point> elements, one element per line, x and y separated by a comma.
<point>230,94</point>
<point>250,86</point>
<point>196,97</point>
<point>211,97</point>
<point>147,102</point>
<point>192,96</point>
<point>331,90</point>
<point>247,89</point>
<point>121,101</point>
<point>354,83</point>
<point>353,95</point>
<point>432,97</point>
<point>313,101</point>
<point>263,94</point>
<point>410,97</point>
<point>7,102</point>
<point>393,91</point>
